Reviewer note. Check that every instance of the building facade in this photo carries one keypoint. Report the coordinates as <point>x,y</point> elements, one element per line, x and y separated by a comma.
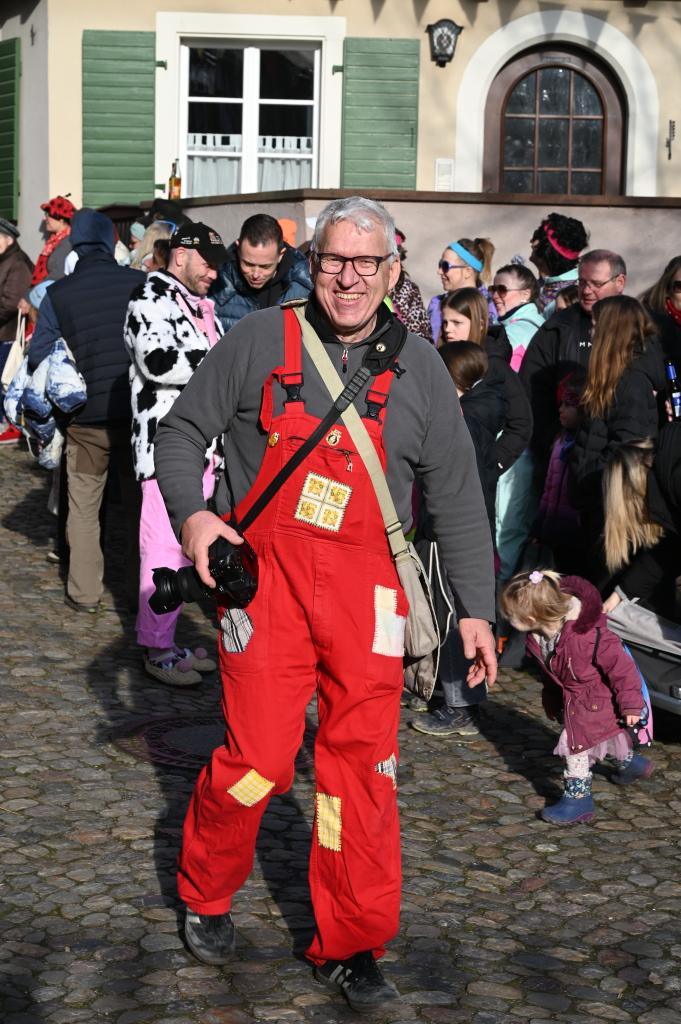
<point>98,100</point>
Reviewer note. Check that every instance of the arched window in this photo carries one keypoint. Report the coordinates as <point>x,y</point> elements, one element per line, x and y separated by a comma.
<point>554,125</point>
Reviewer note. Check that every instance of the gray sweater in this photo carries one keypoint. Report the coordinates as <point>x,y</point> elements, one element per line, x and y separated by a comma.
<point>424,433</point>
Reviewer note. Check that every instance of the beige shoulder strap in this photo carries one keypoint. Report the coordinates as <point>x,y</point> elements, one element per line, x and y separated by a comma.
<point>360,436</point>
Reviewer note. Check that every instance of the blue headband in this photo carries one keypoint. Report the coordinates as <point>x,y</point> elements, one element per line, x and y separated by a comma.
<point>466,255</point>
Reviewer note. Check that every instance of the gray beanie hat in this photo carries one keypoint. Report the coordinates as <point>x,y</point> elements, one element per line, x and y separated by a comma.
<point>7,228</point>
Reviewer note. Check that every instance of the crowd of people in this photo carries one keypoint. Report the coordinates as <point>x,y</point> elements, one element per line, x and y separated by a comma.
<point>530,436</point>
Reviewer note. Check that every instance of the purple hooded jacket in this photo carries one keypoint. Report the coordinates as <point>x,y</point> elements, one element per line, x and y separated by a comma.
<point>556,521</point>
<point>592,697</point>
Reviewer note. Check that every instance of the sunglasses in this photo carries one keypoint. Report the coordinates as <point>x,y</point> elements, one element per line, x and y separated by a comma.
<point>501,290</point>
<point>445,266</point>
<point>676,287</point>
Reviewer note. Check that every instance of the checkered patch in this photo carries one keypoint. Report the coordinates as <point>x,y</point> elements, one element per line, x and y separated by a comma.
<point>329,821</point>
<point>322,502</point>
<point>251,789</point>
<point>388,768</point>
<point>237,630</point>
<point>389,626</point>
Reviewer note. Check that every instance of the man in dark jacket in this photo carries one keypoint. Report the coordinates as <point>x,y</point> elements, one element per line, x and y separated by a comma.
<point>88,310</point>
<point>15,277</point>
<point>262,271</point>
<point>563,344</point>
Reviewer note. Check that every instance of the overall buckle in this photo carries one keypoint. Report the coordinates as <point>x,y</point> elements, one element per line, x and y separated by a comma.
<point>376,402</point>
<point>292,384</point>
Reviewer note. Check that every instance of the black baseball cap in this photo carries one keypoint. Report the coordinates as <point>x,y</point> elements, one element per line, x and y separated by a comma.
<point>202,238</point>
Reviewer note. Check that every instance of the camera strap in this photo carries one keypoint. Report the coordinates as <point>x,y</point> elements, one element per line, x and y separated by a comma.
<point>344,400</point>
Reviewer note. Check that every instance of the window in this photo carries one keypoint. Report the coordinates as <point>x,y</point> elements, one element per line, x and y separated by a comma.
<point>251,118</point>
<point>557,120</point>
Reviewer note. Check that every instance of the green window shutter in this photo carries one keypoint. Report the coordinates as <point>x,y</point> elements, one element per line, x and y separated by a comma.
<point>380,113</point>
<point>10,69</point>
<point>119,71</point>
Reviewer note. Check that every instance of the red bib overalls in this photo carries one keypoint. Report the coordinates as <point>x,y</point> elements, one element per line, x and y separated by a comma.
<point>329,613</point>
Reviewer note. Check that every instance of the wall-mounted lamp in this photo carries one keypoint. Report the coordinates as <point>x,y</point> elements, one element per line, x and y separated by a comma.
<point>443,36</point>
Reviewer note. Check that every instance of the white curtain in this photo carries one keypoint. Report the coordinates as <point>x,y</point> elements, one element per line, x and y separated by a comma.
<point>213,175</point>
<point>275,174</point>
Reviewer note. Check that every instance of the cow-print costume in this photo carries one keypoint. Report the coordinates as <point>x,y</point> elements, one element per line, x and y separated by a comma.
<point>165,346</point>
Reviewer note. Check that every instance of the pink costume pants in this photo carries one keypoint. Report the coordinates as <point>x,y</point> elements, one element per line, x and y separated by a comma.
<point>158,546</point>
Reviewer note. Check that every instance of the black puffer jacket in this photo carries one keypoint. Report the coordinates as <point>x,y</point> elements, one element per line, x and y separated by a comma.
<point>561,346</point>
<point>91,305</point>
<point>635,411</point>
<point>485,409</point>
<point>517,431</point>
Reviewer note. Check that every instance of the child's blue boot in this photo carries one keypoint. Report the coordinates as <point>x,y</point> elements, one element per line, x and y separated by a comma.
<point>575,805</point>
<point>637,767</point>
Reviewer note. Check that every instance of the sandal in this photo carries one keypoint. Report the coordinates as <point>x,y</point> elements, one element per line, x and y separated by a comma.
<point>174,670</point>
<point>199,660</point>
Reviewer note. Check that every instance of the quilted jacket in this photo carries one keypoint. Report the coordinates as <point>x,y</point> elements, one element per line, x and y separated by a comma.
<point>235,300</point>
<point>592,692</point>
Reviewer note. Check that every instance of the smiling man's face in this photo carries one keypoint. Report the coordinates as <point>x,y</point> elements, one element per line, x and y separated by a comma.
<point>348,300</point>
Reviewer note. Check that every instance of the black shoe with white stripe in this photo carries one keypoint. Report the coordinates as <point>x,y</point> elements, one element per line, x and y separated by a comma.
<point>210,936</point>
<point>360,981</point>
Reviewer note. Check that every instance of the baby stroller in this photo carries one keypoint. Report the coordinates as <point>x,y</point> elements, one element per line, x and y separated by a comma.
<point>655,645</point>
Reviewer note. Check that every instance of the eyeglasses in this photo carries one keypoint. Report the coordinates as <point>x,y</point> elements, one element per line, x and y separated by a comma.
<point>501,290</point>
<point>676,287</point>
<point>595,286</point>
<point>365,266</point>
<point>445,266</point>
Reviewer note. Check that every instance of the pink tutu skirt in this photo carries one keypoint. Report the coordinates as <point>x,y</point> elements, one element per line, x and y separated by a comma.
<point>617,746</point>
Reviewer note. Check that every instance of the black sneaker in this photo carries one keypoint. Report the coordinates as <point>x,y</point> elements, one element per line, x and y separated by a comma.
<point>449,722</point>
<point>210,936</point>
<point>360,981</point>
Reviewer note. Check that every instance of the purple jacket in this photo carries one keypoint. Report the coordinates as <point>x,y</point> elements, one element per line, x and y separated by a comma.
<point>556,521</point>
<point>591,696</point>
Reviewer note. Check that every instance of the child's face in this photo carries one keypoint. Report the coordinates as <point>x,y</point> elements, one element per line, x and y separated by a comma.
<point>523,625</point>
<point>569,416</point>
<point>455,326</point>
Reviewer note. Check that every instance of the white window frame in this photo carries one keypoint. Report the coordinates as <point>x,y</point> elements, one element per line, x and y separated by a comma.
<point>325,34</point>
<point>250,138</point>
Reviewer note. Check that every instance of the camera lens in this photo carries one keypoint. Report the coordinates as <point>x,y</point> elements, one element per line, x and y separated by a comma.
<point>189,585</point>
<point>166,597</point>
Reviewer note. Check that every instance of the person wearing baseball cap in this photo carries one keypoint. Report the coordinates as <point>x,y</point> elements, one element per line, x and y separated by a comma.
<point>170,327</point>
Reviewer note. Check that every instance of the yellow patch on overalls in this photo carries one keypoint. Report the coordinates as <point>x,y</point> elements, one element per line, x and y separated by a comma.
<point>329,821</point>
<point>322,502</point>
<point>251,789</point>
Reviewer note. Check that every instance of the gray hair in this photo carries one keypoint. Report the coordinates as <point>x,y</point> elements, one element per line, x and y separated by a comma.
<point>365,214</point>
<point>615,261</point>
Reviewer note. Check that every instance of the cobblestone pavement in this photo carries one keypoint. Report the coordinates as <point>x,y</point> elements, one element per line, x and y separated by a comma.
<point>504,917</point>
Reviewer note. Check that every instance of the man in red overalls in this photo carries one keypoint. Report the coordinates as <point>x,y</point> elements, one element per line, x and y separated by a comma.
<point>330,612</point>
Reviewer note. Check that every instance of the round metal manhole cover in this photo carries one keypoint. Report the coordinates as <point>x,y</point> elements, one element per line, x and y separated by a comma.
<point>188,741</point>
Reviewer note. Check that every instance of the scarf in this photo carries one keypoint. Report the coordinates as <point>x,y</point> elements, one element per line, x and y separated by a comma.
<point>674,313</point>
<point>40,271</point>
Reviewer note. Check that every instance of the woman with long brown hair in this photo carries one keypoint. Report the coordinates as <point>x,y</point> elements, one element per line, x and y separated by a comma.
<point>663,299</point>
<point>642,535</point>
<point>622,399</point>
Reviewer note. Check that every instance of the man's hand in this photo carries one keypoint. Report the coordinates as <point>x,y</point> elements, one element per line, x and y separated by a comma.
<point>612,602</point>
<point>198,533</point>
<point>478,643</point>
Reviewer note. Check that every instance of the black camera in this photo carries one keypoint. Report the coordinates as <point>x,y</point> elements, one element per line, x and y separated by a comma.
<point>234,569</point>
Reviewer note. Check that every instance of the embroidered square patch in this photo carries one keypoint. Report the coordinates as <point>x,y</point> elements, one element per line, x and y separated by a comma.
<point>389,768</point>
<point>389,626</point>
<point>322,502</point>
<point>251,789</point>
<point>329,821</point>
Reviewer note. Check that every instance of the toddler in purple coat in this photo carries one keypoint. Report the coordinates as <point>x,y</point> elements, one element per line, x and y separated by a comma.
<point>591,683</point>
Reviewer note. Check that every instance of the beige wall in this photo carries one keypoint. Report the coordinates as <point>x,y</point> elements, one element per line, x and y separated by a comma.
<point>654,28</point>
<point>640,234</point>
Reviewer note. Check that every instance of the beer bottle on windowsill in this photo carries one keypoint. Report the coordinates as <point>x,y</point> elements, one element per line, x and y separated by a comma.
<point>175,181</point>
<point>674,390</point>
